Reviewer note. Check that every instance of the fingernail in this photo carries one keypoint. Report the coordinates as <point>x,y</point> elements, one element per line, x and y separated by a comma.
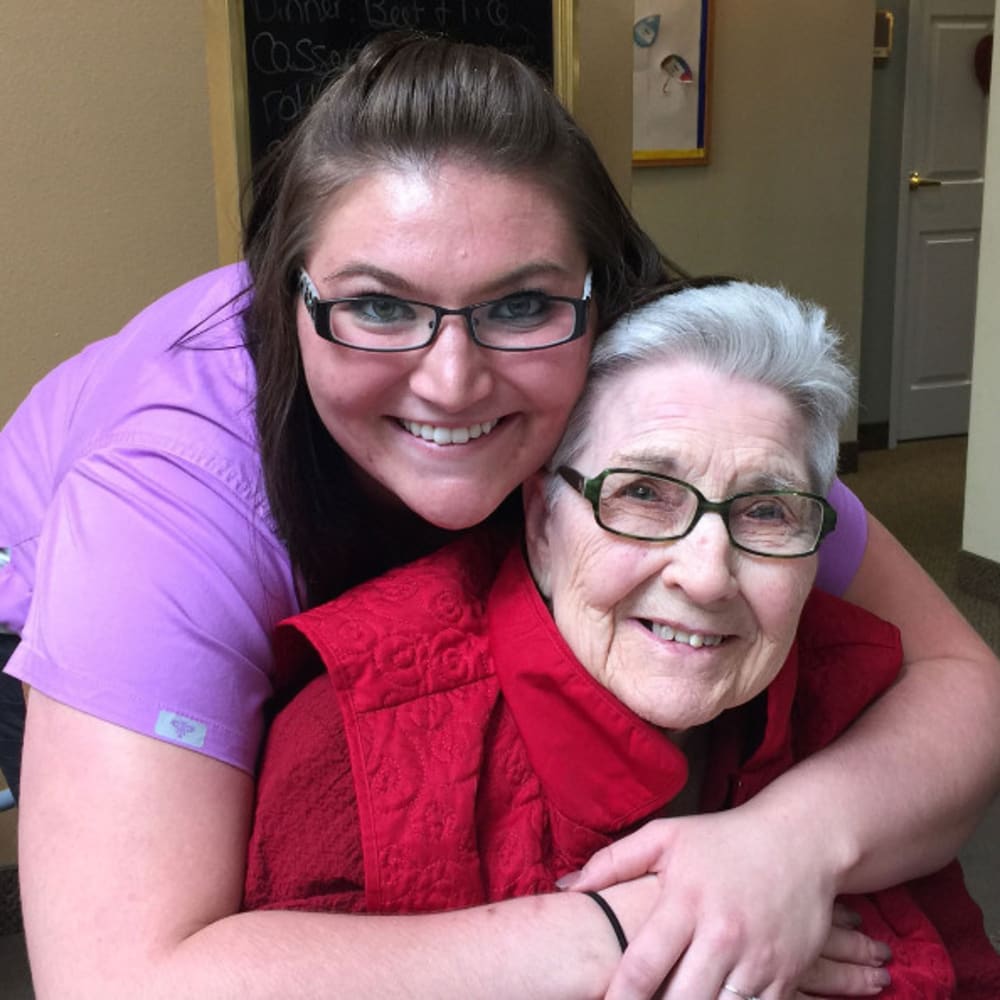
<point>880,978</point>
<point>568,880</point>
<point>881,952</point>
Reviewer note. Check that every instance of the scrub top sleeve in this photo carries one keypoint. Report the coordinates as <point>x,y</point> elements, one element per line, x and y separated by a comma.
<point>156,595</point>
<point>841,551</point>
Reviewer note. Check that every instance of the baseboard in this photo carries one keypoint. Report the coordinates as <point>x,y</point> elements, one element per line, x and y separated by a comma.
<point>873,437</point>
<point>979,576</point>
<point>847,460</point>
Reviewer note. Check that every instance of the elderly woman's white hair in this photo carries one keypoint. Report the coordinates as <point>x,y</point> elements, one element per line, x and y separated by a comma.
<point>752,332</point>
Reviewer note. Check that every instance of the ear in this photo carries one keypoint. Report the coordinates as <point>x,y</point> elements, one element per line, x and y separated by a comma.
<point>536,527</point>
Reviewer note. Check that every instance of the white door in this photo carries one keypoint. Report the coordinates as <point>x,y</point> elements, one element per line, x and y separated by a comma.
<point>944,144</point>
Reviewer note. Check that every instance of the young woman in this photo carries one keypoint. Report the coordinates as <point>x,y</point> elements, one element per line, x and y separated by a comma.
<point>232,456</point>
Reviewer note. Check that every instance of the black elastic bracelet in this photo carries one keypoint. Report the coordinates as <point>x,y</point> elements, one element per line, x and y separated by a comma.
<point>612,918</point>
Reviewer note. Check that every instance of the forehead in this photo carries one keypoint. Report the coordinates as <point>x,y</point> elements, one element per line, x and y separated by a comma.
<point>683,419</point>
<point>446,215</point>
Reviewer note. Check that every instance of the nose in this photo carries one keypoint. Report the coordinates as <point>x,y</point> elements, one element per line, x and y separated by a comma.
<point>454,373</point>
<point>702,563</point>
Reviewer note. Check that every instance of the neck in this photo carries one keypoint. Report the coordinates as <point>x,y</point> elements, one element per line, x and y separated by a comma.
<point>694,743</point>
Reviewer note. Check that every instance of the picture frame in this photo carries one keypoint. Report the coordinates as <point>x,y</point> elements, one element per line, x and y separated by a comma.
<point>671,46</point>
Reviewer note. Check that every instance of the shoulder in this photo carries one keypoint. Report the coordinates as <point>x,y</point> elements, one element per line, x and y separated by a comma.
<point>841,553</point>
<point>197,300</point>
<point>847,658</point>
<point>154,389</point>
<point>828,623</point>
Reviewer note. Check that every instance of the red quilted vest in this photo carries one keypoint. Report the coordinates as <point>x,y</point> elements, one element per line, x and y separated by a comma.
<point>456,753</point>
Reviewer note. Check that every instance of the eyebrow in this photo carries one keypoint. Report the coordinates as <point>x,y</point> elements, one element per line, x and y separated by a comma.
<point>667,465</point>
<point>520,275</point>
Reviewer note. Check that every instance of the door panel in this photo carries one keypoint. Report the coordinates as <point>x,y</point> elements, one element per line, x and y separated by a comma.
<point>956,139</point>
<point>942,359</point>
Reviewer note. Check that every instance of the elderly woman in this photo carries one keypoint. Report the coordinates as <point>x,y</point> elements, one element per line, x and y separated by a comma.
<point>490,716</point>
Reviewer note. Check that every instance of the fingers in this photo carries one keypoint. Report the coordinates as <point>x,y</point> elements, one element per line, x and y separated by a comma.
<point>844,917</point>
<point>708,965</point>
<point>850,963</point>
<point>854,947</point>
<point>651,954</point>
<point>626,859</point>
<point>844,979</point>
<point>729,991</point>
<point>728,971</point>
<point>839,979</point>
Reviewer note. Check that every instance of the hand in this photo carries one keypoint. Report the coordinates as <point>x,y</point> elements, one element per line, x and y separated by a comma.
<point>740,901</point>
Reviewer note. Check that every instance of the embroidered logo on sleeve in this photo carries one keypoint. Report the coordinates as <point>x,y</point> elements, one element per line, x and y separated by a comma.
<point>180,729</point>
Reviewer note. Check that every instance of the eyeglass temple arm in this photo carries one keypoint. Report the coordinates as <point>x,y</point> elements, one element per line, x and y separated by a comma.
<point>829,519</point>
<point>310,293</point>
<point>574,478</point>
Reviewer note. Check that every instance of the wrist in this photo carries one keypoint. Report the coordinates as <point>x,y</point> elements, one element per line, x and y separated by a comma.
<point>612,917</point>
<point>812,826</point>
<point>632,903</point>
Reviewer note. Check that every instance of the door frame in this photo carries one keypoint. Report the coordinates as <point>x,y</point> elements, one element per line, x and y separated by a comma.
<point>914,68</point>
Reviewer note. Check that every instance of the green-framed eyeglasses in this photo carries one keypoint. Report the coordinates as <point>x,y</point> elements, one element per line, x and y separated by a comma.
<point>651,507</point>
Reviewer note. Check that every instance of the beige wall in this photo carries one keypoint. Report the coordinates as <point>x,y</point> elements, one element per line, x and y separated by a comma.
<point>602,99</point>
<point>783,199</point>
<point>981,525</point>
<point>107,196</point>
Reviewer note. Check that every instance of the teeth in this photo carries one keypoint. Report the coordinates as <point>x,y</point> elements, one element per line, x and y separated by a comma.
<point>449,435</point>
<point>694,639</point>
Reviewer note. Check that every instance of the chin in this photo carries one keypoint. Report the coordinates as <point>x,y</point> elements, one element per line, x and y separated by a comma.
<point>453,520</point>
<point>675,723</point>
<point>440,509</point>
<point>436,506</point>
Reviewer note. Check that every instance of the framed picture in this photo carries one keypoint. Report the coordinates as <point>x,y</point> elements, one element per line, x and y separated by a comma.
<point>671,47</point>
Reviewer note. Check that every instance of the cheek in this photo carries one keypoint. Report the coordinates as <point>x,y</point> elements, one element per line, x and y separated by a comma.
<point>591,588</point>
<point>777,605</point>
<point>317,366</point>
<point>553,382</point>
<point>591,578</point>
<point>344,384</point>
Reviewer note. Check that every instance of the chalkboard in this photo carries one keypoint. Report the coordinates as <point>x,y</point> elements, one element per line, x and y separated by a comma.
<point>293,47</point>
<point>267,59</point>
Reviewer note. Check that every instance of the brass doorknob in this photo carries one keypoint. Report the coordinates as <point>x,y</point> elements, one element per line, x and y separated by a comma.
<point>916,181</point>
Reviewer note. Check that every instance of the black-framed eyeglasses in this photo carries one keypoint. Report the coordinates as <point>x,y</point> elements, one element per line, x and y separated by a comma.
<point>650,507</point>
<point>523,321</point>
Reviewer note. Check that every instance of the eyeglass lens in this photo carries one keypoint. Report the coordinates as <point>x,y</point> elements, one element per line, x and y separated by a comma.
<point>526,320</point>
<point>646,506</point>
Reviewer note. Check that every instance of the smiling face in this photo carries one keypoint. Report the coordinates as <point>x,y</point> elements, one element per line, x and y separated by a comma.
<point>448,430</point>
<point>679,631</point>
